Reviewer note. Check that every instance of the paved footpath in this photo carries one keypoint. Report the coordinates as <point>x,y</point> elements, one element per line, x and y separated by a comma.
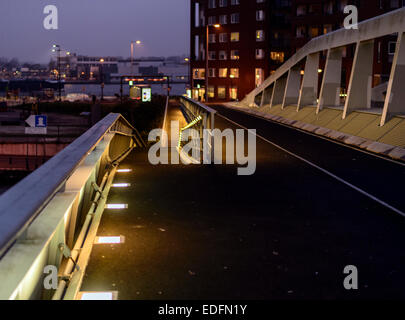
<point>286,232</point>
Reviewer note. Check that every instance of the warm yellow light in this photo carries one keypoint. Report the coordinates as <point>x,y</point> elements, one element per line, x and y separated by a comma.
<point>320,70</point>
<point>68,53</point>
<point>138,42</point>
<point>186,59</point>
<point>302,72</point>
<point>232,76</point>
<point>101,60</point>
<point>217,25</point>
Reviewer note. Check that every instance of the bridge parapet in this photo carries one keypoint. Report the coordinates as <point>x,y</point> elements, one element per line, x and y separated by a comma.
<point>286,87</point>
<point>56,210</point>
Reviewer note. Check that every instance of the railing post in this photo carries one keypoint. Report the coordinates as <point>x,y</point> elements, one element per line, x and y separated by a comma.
<point>267,94</point>
<point>359,90</point>
<point>278,91</point>
<point>309,88</point>
<point>330,89</point>
<point>395,98</point>
<point>292,90</point>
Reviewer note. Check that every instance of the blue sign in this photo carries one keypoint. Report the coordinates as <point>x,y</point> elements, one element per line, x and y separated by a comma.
<point>41,121</point>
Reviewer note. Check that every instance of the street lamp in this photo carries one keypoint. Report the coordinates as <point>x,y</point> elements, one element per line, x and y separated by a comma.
<point>206,57</point>
<point>56,48</point>
<point>132,53</point>
<point>102,78</point>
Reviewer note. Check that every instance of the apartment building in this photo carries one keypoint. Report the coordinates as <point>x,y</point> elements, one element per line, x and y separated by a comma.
<point>254,37</point>
<point>239,45</point>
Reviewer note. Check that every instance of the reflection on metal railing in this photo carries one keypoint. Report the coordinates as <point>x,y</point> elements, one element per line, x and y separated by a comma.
<point>201,118</point>
<point>58,208</point>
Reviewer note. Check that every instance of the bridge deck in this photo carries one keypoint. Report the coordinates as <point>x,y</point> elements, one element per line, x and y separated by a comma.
<point>202,232</point>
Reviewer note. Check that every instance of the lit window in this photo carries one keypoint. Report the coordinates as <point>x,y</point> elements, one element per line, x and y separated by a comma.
<point>221,92</point>
<point>277,56</point>
<point>211,92</point>
<point>223,72</point>
<point>234,73</point>
<point>234,54</point>
<point>259,76</point>
<point>260,35</point>
<point>198,73</point>
<point>234,36</point>
<point>233,93</point>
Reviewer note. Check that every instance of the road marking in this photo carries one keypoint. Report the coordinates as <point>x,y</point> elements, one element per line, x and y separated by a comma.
<point>385,204</point>
<point>370,153</point>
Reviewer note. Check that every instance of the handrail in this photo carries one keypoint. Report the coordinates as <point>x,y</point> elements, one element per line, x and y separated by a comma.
<point>385,24</point>
<point>20,205</point>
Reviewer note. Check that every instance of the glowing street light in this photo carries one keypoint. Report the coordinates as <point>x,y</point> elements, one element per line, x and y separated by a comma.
<point>138,42</point>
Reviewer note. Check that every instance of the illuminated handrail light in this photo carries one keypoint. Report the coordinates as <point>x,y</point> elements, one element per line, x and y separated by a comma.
<point>98,295</point>
<point>109,240</point>
<point>116,206</point>
<point>124,170</point>
<point>121,185</point>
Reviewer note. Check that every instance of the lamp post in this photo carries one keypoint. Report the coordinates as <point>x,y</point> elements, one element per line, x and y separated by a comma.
<point>132,53</point>
<point>206,57</point>
<point>102,78</point>
<point>56,48</point>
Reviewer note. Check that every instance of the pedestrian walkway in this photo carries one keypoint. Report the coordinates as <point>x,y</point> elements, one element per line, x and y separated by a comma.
<point>202,232</point>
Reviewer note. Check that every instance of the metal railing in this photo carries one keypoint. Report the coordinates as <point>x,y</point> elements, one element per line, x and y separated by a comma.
<point>202,118</point>
<point>285,87</point>
<point>57,208</point>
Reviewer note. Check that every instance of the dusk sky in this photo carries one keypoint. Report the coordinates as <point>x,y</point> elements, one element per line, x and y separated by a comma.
<point>94,27</point>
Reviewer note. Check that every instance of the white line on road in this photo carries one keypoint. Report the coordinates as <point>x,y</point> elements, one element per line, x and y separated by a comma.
<point>385,204</point>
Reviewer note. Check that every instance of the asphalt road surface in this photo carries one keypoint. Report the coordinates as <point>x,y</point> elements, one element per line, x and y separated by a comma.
<point>286,232</point>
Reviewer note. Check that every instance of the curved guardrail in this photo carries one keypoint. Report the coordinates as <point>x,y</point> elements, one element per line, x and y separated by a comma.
<point>284,87</point>
<point>44,212</point>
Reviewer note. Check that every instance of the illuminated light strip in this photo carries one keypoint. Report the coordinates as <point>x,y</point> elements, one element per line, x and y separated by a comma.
<point>121,185</point>
<point>192,123</point>
<point>98,295</point>
<point>116,206</point>
<point>124,170</point>
<point>109,240</point>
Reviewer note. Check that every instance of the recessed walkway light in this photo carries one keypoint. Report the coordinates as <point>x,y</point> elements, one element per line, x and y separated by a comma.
<point>98,295</point>
<point>116,206</point>
<point>109,240</point>
<point>121,185</point>
<point>124,170</point>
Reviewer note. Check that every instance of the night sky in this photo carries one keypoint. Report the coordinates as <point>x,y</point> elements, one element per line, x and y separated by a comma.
<point>94,27</point>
